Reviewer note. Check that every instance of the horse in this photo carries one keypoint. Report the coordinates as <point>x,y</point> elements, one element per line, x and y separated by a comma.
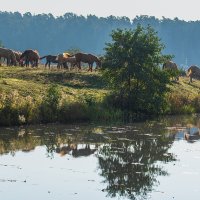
<point>31,56</point>
<point>17,55</point>
<point>9,55</point>
<point>49,59</point>
<point>87,151</point>
<point>61,59</point>
<point>87,58</point>
<point>169,65</point>
<point>72,61</point>
<point>65,149</point>
<point>193,72</point>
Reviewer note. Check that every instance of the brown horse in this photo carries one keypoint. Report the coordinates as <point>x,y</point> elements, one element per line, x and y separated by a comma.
<point>31,56</point>
<point>9,55</point>
<point>193,72</point>
<point>17,55</point>
<point>49,59</point>
<point>87,58</point>
<point>61,59</point>
<point>72,61</point>
<point>169,65</point>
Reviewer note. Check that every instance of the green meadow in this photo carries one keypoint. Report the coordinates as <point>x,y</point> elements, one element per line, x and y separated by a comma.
<point>30,95</point>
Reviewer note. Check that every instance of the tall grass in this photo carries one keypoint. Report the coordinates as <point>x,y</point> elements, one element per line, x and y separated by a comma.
<point>52,107</point>
<point>182,103</point>
<point>55,107</point>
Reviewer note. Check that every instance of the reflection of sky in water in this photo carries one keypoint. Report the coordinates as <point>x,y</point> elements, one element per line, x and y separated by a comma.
<point>77,178</point>
<point>46,178</point>
<point>152,147</point>
<point>184,180</point>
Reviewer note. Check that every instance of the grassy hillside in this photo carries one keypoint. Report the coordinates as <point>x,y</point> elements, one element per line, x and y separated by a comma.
<point>26,97</point>
<point>35,82</point>
<point>184,98</point>
<point>30,95</point>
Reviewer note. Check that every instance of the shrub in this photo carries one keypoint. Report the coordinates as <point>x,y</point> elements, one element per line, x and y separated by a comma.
<point>50,105</point>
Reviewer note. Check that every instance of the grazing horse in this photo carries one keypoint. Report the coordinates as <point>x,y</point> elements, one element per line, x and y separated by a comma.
<point>17,55</point>
<point>87,58</point>
<point>61,59</point>
<point>49,59</point>
<point>169,65</point>
<point>9,55</point>
<point>72,61</point>
<point>193,72</point>
<point>31,56</point>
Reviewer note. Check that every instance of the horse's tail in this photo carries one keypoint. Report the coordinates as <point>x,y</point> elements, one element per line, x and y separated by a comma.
<point>43,57</point>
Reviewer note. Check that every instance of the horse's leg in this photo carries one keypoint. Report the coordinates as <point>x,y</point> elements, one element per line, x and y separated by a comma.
<point>91,67</point>
<point>27,63</point>
<point>49,64</point>
<point>7,62</point>
<point>190,79</point>
<point>88,67</point>
<point>79,65</point>
<point>65,65</point>
<point>46,64</point>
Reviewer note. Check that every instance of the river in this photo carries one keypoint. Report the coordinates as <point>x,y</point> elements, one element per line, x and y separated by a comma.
<point>157,159</point>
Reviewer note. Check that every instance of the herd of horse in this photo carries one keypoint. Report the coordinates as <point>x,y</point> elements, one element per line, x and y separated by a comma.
<point>62,60</point>
<point>192,72</point>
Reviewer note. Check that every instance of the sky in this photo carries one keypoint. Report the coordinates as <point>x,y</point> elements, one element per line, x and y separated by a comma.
<point>183,9</point>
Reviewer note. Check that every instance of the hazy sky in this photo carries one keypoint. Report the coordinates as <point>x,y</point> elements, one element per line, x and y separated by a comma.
<point>183,9</point>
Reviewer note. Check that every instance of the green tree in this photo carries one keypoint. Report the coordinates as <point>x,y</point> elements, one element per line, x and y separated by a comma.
<point>132,68</point>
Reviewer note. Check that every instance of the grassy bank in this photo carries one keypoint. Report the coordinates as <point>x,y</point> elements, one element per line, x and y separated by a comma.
<point>29,95</point>
<point>184,98</point>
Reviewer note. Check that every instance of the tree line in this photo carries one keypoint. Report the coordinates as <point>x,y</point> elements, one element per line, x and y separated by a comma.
<point>52,35</point>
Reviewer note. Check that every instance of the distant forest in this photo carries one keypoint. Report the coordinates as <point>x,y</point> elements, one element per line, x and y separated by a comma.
<point>53,35</point>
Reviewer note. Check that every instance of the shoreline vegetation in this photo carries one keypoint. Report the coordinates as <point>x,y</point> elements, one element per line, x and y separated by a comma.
<point>32,96</point>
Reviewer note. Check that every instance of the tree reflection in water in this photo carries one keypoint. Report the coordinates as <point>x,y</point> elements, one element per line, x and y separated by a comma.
<point>130,158</point>
<point>129,163</point>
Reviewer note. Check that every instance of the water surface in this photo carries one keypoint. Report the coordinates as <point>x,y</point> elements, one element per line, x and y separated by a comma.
<point>152,160</point>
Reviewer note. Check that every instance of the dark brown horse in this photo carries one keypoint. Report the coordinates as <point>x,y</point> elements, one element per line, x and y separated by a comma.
<point>31,56</point>
<point>87,58</point>
<point>169,65</point>
<point>49,59</point>
<point>9,55</point>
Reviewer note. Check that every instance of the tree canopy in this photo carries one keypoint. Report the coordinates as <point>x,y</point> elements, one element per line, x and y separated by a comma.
<point>132,68</point>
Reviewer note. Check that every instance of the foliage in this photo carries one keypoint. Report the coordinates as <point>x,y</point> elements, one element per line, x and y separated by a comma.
<point>50,105</point>
<point>131,67</point>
